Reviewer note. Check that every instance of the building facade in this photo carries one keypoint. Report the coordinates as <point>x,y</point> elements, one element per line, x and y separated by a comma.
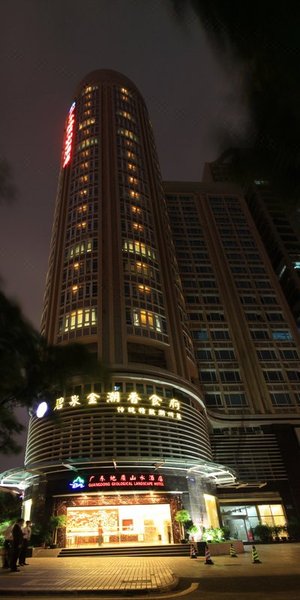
<point>171,287</point>
<point>118,460</point>
<point>277,222</point>
<point>247,351</point>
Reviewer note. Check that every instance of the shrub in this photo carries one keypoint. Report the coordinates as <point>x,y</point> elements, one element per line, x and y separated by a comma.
<point>264,532</point>
<point>213,534</point>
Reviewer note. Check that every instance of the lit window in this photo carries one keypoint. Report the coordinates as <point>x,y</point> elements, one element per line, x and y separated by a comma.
<point>88,89</point>
<point>83,178</point>
<point>126,115</point>
<point>80,318</point>
<point>136,209</point>
<point>146,318</point>
<point>157,323</point>
<point>84,154</point>
<point>83,193</point>
<point>144,288</point>
<point>143,317</point>
<point>86,143</point>
<point>80,249</point>
<point>128,134</point>
<point>142,268</point>
<point>134,194</point>
<point>81,225</point>
<point>82,208</point>
<point>125,91</point>
<point>139,248</point>
<point>272,514</point>
<point>131,155</point>
<point>133,180</point>
<point>131,167</point>
<point>76,266</point>
<point>87,122</point>
<point>281,335</point>
<point>75,289</point>
<point>137,227</point>
<point>73,320</point>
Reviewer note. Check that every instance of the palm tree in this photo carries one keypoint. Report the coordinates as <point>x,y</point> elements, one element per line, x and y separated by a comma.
<point>30,369</point>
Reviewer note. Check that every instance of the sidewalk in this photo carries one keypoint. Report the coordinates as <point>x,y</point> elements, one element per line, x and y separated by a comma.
<point>88,575</point>
<point>276,577</point>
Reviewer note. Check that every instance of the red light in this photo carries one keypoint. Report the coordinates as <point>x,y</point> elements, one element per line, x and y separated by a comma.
<point>69,136</point>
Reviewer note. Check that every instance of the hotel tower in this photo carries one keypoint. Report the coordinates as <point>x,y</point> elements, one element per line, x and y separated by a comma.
<point>123,456</point>
<point>171,287</point>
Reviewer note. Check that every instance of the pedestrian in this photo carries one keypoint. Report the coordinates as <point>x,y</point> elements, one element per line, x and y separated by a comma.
<point>16,544</point>
<point>7,547</point>
<point>26,538</point>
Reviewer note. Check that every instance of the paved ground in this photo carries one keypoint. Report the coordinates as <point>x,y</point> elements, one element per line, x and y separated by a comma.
<point>88,574</point>
<point>276,578</point>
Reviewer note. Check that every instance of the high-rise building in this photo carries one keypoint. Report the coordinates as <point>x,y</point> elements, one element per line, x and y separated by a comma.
<point>171,287</point>
<point>277,222</point>
<point>126,455</point>
<point>247,351</point>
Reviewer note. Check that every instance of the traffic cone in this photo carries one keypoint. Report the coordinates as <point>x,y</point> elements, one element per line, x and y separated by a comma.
<point>208,560</point>
<point>232,552</point>
<point>255,558</point>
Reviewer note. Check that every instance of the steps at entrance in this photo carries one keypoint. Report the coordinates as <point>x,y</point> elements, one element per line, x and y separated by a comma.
<point>168,550</point>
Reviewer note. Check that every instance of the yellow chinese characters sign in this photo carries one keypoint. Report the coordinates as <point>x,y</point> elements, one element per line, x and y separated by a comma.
<point>127,404</point>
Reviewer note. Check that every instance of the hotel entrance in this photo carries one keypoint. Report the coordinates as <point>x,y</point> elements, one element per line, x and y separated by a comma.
<point>94,526</point>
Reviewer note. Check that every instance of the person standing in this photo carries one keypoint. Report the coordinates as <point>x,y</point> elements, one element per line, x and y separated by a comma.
<point>7,547</point>
<point>16,544</point>
<point>26,538</point>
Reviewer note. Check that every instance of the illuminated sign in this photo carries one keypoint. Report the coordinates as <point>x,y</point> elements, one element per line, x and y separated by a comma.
<point>77,483</point>
<point>69,136</point>
<point>41,410</point>
<point>128,480</point>
<point>129,404</point>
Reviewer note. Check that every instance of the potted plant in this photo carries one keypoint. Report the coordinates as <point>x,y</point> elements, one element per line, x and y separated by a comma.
<point>226,532</point>
<point>183,518</point>
<point>293,528</point>
<point>264,532</point>
<point>192,529</point>
<point>276,530</point>
<point>55,523</point>
<point>213,534</point>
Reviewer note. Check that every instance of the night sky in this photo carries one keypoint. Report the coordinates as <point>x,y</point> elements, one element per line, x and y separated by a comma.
<point>46,49</point>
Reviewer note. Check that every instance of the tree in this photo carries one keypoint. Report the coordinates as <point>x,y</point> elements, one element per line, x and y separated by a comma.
<point>183,517</point>
<point>261,41</point>
<point>10,505</point>
<point>31,370</point>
